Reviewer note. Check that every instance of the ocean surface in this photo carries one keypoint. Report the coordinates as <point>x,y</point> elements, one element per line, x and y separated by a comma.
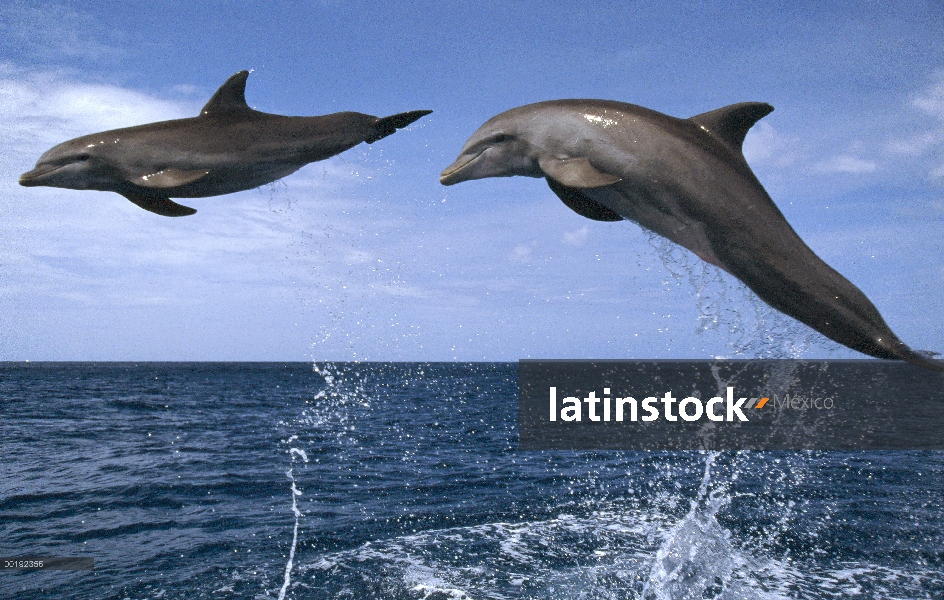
<point>404,481</point>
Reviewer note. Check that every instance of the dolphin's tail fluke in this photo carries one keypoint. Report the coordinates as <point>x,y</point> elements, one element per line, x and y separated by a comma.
<point>388,125</point>
<point>923,359</point>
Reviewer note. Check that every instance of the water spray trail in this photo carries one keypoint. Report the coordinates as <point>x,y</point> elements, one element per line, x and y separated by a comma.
<point>298,514</point>
<point>706,478</point>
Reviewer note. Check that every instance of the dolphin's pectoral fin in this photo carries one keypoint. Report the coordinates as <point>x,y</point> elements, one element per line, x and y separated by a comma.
<point>169,178</point>
<point>229,98</point>
<point>387,125</point>
<point>582,205</point>
<point>731,123</point>
<point>160,205</point>
<point>575,173</point>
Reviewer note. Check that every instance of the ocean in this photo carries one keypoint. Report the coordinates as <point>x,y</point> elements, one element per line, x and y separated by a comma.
<point>405,481</point>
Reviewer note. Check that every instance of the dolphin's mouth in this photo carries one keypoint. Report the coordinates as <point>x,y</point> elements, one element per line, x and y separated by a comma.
<point>30,178</point>
<point>451,174</point>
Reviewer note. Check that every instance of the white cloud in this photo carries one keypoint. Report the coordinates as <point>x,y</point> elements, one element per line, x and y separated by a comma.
<point>898,147</point>
<point>928,142</point>
<point>56,31</point>
<point>522,253</point>
<point>187,89</point>
<point>576,238</point>
<point>915,146</point>
<point>931,100</point>
<point>766,146</point>
<point>845,163</point>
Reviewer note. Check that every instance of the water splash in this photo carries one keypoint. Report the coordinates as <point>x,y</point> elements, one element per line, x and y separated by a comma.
<point>279,198</point>
<point>695,561</point>
<point>751,328</point>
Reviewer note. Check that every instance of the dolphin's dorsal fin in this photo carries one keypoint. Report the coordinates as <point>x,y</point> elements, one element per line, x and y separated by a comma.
<point>731,123</point>
<point>231,97</point>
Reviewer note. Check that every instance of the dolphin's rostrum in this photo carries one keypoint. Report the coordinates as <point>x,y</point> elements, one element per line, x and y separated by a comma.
<point>228,148</point>
<point>686,180</point>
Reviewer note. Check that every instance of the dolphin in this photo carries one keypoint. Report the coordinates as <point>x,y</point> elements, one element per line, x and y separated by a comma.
<point>688,181</point>
<point>228,148</point>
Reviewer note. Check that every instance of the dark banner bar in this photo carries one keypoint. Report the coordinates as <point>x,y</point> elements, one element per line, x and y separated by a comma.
<point>46,563</point>
<point>729,405</point>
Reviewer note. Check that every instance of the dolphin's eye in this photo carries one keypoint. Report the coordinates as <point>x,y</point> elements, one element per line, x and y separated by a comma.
<point>82,157</point>
<point>501,137</point>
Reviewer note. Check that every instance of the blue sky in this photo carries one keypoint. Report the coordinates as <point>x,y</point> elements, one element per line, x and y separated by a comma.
<point>365,256</point>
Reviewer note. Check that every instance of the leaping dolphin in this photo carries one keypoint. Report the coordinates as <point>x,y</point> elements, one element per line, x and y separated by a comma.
<point>228,148</point>
<point>686,180</point>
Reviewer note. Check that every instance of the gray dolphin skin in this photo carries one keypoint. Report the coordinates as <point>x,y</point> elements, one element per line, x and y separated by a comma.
<point>686,180</point>
<point>228,148</point>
